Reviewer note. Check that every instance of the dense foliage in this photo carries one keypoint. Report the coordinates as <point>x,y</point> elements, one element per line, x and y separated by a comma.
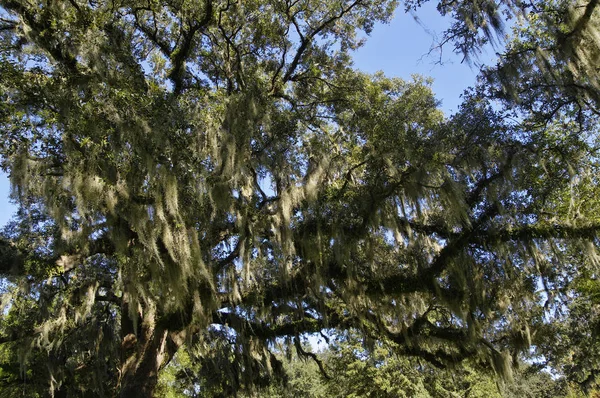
<point>354,371</point>
<point>216,174</point>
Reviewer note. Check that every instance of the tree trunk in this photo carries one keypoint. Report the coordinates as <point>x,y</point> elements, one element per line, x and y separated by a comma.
<point>140,370</point>
<point>143,353</point>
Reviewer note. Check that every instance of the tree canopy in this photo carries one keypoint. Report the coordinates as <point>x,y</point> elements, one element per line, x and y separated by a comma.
<point>216,174</point>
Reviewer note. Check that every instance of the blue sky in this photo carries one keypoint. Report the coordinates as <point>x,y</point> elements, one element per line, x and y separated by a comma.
<point>402,48</point>
<point>398,49</point>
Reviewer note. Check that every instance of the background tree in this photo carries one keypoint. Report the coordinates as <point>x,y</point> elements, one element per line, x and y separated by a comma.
<point>216,173</point>
<point>353,371</point>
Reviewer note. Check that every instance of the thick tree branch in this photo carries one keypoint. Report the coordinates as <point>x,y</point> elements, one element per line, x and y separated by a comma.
<point>532,232</point>
<point>180,54</point>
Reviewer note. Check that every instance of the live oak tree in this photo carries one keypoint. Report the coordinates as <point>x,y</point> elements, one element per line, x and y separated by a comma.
<point>215,173</point>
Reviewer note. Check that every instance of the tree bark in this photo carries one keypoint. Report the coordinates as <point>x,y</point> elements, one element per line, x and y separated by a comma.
<point>143,353</point>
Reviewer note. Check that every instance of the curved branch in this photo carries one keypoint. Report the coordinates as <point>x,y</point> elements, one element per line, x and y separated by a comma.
<point>305,41</point>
